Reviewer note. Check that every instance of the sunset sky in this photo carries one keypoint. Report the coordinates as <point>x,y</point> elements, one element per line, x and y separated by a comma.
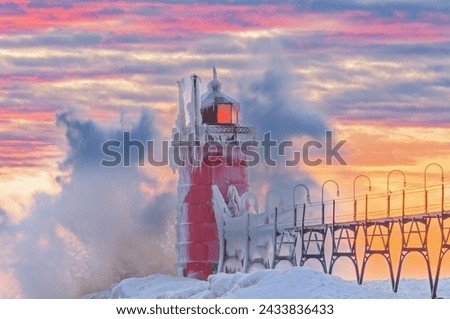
<point>374,72</point>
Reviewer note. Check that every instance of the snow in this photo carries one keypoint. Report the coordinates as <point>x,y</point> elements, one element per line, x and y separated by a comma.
<point>157,287</point>
<point>290,283</point>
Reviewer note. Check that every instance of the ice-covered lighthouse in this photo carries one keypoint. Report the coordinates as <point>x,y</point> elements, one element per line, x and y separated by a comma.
<point>214,118</point>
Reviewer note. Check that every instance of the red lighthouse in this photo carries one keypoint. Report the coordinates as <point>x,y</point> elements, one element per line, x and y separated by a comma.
<point>213,117</point>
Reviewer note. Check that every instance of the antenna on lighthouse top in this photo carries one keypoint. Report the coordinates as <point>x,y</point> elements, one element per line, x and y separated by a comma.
<point>214,84</point>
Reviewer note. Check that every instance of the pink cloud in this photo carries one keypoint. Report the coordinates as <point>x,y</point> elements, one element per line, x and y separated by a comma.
<point>180,19</point>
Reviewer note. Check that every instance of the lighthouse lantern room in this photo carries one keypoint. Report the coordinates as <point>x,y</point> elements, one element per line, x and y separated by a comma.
<point>218,108</point>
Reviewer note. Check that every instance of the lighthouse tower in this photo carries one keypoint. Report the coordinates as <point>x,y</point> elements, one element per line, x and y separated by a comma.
<point>214,119</point>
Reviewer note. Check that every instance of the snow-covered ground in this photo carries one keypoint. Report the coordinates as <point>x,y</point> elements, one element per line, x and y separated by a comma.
<point>294,283</point>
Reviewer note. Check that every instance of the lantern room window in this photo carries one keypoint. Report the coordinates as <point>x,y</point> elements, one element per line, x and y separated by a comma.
<point>227,114</point>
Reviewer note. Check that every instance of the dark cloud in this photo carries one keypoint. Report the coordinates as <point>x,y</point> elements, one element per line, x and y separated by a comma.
<point>53,39</point>
<point>271,107</point>
<point>123,39</point>
<point>411,9</point>
<point>51,3</point>
<point>407,114</point>
<point>86,139</point>
<point>105,12</point>
<point>10,8</point>
<point>406,50</point>
<point>147,10</point>
<point>53,62</point>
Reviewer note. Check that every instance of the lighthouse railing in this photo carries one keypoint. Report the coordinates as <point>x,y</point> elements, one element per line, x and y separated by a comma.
<point>229,132</point>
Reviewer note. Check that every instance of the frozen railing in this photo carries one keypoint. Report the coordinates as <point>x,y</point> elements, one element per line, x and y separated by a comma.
<point>246,237</point>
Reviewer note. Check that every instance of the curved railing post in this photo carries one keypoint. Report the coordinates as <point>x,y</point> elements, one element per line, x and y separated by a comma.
<point>308,197</point>
<point>388,205</point>
<point>388,191</point>
<point>323,204</point>
<point>302,231</point>
<point>403,204</point>
<point>274,253</point>
<point>295,216</point>
<point>294,204</point>
<point>323,214</point>
<point>425,183</point>
<point>334,212</point>
<point>367,207</point>
<point>354,192</point>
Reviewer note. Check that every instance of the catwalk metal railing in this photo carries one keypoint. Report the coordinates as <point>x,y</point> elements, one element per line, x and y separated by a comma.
<point>358,228</point>
<point>373,217</point>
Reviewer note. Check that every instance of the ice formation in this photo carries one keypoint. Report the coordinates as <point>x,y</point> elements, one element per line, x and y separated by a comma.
<point>247,237</point>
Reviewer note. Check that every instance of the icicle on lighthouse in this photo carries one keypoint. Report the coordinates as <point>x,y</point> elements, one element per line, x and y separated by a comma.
<point>214,119</point>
